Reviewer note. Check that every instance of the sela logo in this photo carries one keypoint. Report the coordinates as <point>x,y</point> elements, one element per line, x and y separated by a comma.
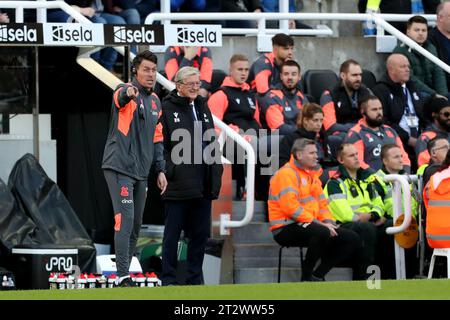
<point>184,35</point>
<point>124,34</point>
<point>127,201</point>
<point>60,263</point>
<point>62,34</point>
<point>18,33</point>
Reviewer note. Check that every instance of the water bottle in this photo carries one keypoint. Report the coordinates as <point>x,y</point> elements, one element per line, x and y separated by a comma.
<point>369,28</point>
<point>417,7</point>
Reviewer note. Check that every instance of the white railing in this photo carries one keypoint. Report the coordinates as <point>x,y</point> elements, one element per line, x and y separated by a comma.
<point>401,194</point>
<point>260,17</point>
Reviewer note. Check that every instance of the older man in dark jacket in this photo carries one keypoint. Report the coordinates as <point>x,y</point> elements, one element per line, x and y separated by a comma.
<point>402,103</point>
<point>193,171</point>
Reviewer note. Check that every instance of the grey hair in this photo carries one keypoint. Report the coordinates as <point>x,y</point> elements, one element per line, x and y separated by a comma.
<point>300,145</point>
<point>186,72</point>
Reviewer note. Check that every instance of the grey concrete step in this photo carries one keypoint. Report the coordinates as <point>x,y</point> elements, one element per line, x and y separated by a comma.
<point>264,256</point>
<point>264,250</point>
<point>270,275</point>
<point>254,232</point>
<point>259,214</point>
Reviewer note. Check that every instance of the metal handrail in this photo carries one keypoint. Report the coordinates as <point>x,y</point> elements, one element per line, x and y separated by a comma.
<point>406,202</point>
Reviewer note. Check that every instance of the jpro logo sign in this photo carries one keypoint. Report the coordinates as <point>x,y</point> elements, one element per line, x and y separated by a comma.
<point>21,33</point>
<point>194,35</point>
<point>134,34</point>
<point>59,264</point>
<point>73,34</point>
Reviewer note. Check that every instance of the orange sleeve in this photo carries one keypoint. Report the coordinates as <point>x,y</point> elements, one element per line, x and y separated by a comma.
<point>329,115</point>
<point>218,104</point>
<point>424,157</point>
<point>359,145</point>
<point>262,81</point>
<point>116,97</point>
<point>158,137</point>
<point>206,69</point>
<point>256,115</point>
<point>171,68</point>
<point>405,157</point>
<point>274,117</point>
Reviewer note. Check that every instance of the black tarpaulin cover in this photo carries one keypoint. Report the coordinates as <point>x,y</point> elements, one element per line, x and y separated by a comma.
<point>42,215</point>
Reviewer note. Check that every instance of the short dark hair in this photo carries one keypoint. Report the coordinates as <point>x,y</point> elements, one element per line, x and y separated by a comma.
<point>346,65</point>
<point>432,143</point>
<point>385,149</point>
<point>362,103</point>
<point>144,55</point>
<point>282,40</point>
<point>290,63</point>
<point>300,145</point>
<point>238,57</point>
<point>341,148</point>
<point>416,19</point>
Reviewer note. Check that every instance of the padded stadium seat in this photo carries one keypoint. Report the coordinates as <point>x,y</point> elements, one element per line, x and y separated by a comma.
<point>368,78</point>
<point>315,82</point>
<point>217,79</point>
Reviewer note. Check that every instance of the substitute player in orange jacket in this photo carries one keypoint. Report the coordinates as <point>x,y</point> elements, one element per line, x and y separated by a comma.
<point>299,215</point>
<point>280,107</point>
<point>265,71</point>
<point>370,134</point>
<point>197,57</point>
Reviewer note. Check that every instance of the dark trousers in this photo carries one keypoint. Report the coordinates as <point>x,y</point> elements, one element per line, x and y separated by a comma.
<point>331,250</point>
<point>377,247</point>
<point>128,200</point>
<point>193,216</point>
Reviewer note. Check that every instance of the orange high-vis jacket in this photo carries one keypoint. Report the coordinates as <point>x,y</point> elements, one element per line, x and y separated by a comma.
<point>436,196</point>
<point>296,195</point>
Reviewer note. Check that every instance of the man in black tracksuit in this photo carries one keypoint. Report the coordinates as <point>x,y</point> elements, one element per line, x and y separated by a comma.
<point>134,141</point>
<point>193,172</point>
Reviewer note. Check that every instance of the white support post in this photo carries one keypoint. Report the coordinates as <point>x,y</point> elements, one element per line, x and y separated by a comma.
<point>284,8</point>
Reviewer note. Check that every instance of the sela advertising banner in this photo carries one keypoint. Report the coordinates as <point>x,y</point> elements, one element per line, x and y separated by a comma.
<point>134,34</point>
<point>21,33</point>
<point>73,34</point>
<point>193,35</point>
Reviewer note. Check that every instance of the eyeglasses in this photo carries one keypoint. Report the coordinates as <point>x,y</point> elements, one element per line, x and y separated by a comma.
<point>191,84</point>
<point>445,114</point>
<point>441,148</point>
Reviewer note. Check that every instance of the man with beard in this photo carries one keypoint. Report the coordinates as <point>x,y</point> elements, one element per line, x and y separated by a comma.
<point>440,116</point>
<point>429,77</point>
<point>280,108</point>
<point>370,134</point>
<point>340,105</point>
<point>265,71</point>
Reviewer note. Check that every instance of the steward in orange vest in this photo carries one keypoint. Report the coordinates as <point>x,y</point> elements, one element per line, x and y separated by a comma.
<point>299,215</point>
<point>436,196</point>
